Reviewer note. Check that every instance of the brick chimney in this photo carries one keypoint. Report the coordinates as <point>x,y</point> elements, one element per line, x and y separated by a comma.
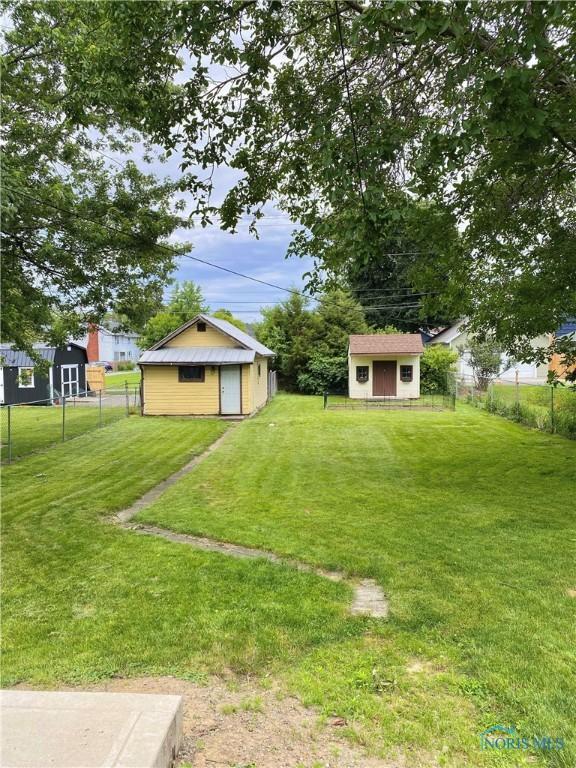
<point>93,348</point>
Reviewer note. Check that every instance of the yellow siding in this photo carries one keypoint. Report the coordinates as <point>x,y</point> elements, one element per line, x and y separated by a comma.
<point>246,389</point>
<point>259,383</point>
<point>165,395</point>
<point>208,338</point>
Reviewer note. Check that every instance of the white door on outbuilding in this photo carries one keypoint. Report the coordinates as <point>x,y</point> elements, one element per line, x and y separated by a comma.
<point>230,390</point>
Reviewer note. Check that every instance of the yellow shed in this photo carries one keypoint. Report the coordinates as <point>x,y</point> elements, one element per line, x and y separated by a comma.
<point>207,367</point>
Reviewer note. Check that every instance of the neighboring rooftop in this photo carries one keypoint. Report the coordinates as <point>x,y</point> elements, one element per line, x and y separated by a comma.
<point>387,344</point>
<point>567,328</point>
<point>17,357</point>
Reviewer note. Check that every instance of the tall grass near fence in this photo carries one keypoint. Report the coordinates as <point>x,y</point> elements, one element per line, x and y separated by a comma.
<point>32,427</point>
<point>544,407</point>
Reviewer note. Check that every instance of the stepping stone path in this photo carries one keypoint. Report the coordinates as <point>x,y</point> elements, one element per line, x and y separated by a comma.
<point>368,600</point>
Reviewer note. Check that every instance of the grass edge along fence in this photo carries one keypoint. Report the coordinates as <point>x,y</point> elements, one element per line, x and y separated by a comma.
<point>30,427</point>
<point>426,402</point>
<point>549,408</point>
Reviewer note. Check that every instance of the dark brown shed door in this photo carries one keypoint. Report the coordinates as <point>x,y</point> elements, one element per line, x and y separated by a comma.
<point>383,378</point>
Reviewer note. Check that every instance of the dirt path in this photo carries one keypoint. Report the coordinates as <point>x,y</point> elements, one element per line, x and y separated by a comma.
<point>241,724</point>
<point>369,599</point>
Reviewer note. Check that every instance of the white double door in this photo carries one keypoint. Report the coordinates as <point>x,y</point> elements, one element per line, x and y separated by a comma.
<point>70,380</point>
<point>230,390</point>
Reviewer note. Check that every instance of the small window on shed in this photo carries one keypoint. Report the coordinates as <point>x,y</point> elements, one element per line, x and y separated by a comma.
<point>362,373</point>
<point>25,378</point>
<point>406,373</point>
<point>201,327</point>
<point>259,370</point>
<point>189,373</point>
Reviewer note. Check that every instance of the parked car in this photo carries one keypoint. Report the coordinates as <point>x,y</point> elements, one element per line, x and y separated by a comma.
<point>108,367</point>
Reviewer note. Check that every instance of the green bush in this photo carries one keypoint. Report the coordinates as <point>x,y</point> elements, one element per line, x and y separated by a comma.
<point>437,370</point>
<point>127,365</point>
<point>324,374</point>
<point>533,408</point>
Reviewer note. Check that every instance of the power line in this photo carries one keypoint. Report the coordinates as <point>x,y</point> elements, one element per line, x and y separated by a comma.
<point>173,251</point>
<point>166,248</point>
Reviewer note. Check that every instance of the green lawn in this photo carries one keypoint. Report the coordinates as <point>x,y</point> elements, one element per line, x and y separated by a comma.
<point>543,407</point>
<point>464,518</point>
<point>84,600</point>
<point>35,428</point>
<point>118,380</point>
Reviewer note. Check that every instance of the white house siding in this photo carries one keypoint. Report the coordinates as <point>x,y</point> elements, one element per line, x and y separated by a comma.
<point>527,372</point>
<point>404,389</point>
<point>116,347</point>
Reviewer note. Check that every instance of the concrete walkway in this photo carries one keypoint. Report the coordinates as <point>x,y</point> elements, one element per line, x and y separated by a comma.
<point>89,730</point>
<point>369,598</point>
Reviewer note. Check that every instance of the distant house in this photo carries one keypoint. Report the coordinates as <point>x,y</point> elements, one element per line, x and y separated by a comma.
<point>22,381</point>
<point>557,366</point>
<point>205,367</point>
<point>384,365</point>
<point>104,345</point>
<point>456,337</point>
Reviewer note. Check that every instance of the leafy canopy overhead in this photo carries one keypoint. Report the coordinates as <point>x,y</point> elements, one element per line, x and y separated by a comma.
<point>79,232</point>
<point>449,125</point>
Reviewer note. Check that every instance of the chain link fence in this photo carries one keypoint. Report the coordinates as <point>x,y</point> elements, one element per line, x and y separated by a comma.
<point>32,427</point>
<point>433,402</point>
<point>542,406</point>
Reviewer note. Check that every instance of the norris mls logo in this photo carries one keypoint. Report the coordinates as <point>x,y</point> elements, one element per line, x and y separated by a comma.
<point>502,737</point>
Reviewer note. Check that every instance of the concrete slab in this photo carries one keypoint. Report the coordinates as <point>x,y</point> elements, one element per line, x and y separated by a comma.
<point>89,730</point>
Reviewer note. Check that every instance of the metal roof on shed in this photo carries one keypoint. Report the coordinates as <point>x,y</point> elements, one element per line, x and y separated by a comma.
<point>17,357</point>
<point>197,356</point>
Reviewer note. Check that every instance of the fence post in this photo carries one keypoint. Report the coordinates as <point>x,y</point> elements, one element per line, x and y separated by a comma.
<point>325,400</point>
<point>517,394</point>
<point>99,407</point>
<point>127,398</point>
<point>9,434</point>
<point>552,424</point>
<point>63,418</point>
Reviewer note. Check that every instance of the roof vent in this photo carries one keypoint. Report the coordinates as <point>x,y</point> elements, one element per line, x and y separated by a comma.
<point>201,327</point>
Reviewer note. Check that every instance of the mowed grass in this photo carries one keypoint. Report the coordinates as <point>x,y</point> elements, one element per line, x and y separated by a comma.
<point>36,427</point>
<point>118,380</point>
<point>467,521</point>
<point>83,599</point>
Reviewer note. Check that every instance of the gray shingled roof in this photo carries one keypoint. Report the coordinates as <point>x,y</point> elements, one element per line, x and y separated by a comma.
<point>197,356</point>
<point>17,357</point>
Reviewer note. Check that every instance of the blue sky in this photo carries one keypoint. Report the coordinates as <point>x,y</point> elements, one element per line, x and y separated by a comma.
<point>263,257</point>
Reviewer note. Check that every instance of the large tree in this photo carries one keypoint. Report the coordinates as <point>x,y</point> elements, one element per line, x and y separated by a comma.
<point>463,108</point>
<point>311,342</point>
<point>186,300</point>
<point>80,231</point>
